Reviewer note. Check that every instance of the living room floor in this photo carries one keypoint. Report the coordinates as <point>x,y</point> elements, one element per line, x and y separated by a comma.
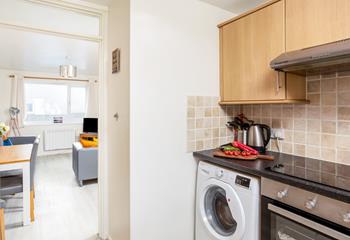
<point>63,210</point>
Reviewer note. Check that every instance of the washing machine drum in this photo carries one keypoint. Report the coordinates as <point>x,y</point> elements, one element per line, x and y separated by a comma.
<point>222,211</point>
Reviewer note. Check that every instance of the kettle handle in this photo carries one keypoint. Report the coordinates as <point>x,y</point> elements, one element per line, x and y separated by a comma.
<point>268,134</point>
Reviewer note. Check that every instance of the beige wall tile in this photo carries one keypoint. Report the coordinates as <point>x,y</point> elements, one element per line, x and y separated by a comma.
<point>222,111</point>
<point>215,111</point>
<point>343,157</point>
<point>313,77</point>
<point>299,137</point>
<point>314,86</point>
<point>257,110</point>
<point>328,141</point>
<point>199,112</point>
<point>314,125</point>
<point>190,112</point>
<point>208,133</point>
<point>329,113</point>
<point>328,85</point>
<point>199,134</point>
<point>200,123</point>
<point>299,111</point>
<point>314,98</point>
<point>287,147</point>
<point>216,132</point>
<point>191,101</point>
<point>266,111</point>
<point>216,122</point>
<point>299,149</point>
<point>344,128</point>
<point>288,136</point>
<point>299,124</point>
<point>215,101</point>
<point>313,139</point>
<point>343,84</point>
<point>191,124</point>
<point>328,154</point>
<point>267,121</point>
<point>208,112</point>
<point>191,146</point>
<point>276,123</point>
<point>216,142</point>
<point>343,113</point>
<point>207,123</point>
<point>287,111</point>
<point>222,132</point>
<point>328,75</point>
<point>313,152</point>
<point>248,110</point>
<point>200,101</point>
<point>329,99</point>
<point>344,98</point>
<point>313,112</point>
<point>208,144</point>
<point>199,145</point>
<point>343,142</point>
<point>191,136</point>
<point>328,127</point>
<point>276,111</point>
<point>287,123</point>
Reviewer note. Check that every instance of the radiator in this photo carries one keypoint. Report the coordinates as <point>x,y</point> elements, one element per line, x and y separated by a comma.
<point>57,139</point>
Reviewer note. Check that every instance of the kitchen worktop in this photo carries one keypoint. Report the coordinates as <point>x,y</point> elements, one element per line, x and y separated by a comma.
<point>322,177</point>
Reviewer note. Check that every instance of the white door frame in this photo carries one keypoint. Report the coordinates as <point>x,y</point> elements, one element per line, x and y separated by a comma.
<point>101,12</point>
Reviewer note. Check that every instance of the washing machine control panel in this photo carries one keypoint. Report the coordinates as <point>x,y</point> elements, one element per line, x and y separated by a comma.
<point>242,181</point>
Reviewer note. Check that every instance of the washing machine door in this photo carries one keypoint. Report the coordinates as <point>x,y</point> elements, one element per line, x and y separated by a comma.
<point>221,210</point>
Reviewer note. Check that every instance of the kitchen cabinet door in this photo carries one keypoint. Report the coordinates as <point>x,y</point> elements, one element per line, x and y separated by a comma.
<point>247,45</point>
<point>314,22</point>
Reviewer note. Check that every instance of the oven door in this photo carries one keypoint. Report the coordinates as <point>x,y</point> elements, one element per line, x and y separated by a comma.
<point>282,222</point>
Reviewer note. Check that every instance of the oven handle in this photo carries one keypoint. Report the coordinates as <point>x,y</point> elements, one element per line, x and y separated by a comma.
<point>306,222</point>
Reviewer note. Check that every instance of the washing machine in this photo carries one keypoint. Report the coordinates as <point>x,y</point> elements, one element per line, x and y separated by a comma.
<point>227,204</point>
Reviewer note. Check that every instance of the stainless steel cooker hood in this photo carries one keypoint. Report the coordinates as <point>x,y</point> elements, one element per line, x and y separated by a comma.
<point>333,56</point>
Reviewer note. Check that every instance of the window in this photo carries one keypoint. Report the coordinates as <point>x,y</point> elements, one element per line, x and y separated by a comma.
<point>46,100</point>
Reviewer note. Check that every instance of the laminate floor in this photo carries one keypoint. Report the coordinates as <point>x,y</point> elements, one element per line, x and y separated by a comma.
<point>63,210</point>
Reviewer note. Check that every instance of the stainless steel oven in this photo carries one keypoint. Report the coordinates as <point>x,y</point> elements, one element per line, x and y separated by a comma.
<point>290,213</point>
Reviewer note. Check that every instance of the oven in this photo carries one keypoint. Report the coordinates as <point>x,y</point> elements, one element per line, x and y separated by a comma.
<point>290,213</point>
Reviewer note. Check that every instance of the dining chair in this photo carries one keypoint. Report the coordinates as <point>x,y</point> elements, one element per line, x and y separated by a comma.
<point>2,220</point>
<point>12,184</point>
<point>19,140</point>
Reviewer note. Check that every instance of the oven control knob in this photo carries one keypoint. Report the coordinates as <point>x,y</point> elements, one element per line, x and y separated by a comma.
<point>347,217</point>
<point>219,173</point>
<point>282,194</point>
<point>311,204</point>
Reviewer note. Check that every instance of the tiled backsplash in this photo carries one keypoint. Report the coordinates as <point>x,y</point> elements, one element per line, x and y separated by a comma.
<point>319,130</point>
<point>206,123</point>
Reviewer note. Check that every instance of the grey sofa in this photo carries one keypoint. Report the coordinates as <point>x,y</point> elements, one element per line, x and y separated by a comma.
<point>85,163</point>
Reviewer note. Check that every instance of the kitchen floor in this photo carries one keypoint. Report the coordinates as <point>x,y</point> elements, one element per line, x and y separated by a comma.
<point>63,210</point>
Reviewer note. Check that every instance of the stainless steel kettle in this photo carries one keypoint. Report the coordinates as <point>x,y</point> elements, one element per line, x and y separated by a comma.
<point>259,136</point>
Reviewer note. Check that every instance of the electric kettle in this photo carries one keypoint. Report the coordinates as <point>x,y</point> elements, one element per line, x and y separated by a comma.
<point>259,136</point>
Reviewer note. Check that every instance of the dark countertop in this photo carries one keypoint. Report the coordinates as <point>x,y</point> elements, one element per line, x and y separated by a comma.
<point>317,172</point>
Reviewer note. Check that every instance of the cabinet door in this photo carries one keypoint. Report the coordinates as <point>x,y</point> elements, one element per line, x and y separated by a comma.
<point>314,22</point>
<point>247,45</point>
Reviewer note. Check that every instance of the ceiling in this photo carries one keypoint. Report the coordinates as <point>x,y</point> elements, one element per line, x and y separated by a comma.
<point>235,6</point>
<point>36,52</point>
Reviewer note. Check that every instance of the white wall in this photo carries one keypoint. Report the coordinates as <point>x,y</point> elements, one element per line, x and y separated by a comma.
<point>5,102</point>
<point>174,53</point>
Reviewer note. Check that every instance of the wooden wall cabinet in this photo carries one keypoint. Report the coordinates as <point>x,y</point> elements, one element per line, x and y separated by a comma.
<point>247,45</point>
<point>314,22</point>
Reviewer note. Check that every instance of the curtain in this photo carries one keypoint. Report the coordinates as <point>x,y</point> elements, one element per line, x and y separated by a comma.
<point>92,99</point>
<point>17,97</point>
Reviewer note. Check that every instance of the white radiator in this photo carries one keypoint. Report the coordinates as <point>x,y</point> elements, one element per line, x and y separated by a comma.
<point>57,139</point>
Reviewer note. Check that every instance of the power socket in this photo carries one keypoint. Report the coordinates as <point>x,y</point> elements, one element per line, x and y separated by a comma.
<point>277,133</point>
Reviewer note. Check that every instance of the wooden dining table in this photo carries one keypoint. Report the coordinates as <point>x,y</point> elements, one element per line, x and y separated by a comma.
<point>17,157</point>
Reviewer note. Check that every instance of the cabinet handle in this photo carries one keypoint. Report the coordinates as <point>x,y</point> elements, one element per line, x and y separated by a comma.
<point>278,83</point>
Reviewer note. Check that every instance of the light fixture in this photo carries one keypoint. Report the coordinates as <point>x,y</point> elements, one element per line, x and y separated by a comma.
<point>68,71</point>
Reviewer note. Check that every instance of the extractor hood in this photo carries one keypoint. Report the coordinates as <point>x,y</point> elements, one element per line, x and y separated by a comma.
<point>328,57</point>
